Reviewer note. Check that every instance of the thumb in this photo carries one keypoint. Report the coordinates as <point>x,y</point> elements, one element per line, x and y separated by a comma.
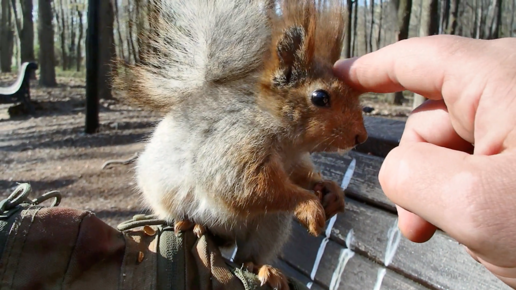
<point>432,182</point>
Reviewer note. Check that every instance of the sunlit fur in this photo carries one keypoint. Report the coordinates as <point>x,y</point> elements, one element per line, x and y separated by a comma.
<point>232,152</point>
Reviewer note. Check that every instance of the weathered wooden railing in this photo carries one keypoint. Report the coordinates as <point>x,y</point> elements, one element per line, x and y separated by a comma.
<point>363,248</point>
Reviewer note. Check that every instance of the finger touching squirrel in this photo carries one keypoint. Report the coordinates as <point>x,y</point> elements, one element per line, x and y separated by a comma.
<point>248,92</point>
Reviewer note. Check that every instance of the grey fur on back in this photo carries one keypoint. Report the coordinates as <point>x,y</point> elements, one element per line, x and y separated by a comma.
<point>197,43</point>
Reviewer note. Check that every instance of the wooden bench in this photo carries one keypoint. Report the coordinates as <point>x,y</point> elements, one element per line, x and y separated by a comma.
<point>362,247</point>
<point>19,92</point>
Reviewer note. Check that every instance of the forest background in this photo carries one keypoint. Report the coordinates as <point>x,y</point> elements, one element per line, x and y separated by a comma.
<point>52,32</point>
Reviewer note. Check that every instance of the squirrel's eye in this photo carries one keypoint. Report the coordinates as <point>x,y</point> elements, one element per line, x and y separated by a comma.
<point>321,98</point>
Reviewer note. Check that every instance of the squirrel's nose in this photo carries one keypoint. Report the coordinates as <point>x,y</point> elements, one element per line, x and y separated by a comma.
<point>360,138</point>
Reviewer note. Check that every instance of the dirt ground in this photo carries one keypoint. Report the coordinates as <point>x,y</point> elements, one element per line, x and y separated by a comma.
<point>51,151</point>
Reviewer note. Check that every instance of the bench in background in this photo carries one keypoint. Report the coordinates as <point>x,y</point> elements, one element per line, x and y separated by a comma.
<point>19,92</point>
<point>362,247</point>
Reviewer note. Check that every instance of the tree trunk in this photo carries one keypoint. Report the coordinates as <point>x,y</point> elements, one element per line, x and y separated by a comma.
<point>120,40</point>
<point>482,15</point>
<point>16,18</point>
<point>130,43</point>
<point>347,46</point>
<point>92,66</point>
<point>107,48</point>
<point>355,21</point>
<point>6,38</point>
<point>46,44</point>
<point>366,38</point>
<point>379,38</point>
<point>429,26</point>
<point>454,17</point>
<point>78,57</point>
<point>431,23</point>
<point>27,32</point>
<point>446,17</point>
<point>371,27</point>
<point>495,25</point>
<point>73,33</point>
<point>404,9</point>
<point>62,27</point>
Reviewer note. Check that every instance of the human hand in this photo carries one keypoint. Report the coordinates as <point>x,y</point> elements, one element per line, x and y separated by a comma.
<point>436,176</point>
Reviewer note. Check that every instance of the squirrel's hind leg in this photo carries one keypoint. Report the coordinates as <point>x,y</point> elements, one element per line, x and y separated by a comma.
<point>263,241</point>
<point>268,275</point>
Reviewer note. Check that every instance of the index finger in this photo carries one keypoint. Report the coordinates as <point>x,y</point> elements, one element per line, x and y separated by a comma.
<point>416,64</point>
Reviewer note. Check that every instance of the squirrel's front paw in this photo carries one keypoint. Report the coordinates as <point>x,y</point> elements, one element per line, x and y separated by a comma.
<point>331,196</point>
<point>311,215</point>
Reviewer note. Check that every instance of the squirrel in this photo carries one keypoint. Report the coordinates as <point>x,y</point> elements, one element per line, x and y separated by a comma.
<point>248,92</point>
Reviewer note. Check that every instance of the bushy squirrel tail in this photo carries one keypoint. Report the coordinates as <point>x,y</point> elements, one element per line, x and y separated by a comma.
<point>191,44</point>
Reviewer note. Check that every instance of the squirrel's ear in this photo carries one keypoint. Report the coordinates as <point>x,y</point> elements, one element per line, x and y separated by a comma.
<point>295,53</point>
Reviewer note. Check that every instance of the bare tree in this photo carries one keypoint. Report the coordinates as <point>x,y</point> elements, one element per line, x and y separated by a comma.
<point>27,32</point>
<point>130,24</point>
<point>429,26</point>
<point>355,28</point>
<point>61,21</point>
<point>46,44</point>
<point>73,34</point>
<point>445,19</point>
<point>404,9</point>
<point>366,38</point>
<point>496,22</point>
<point>379,37</point>
<point>347,46</point>
<point>371,27</point>
<point>78,54</point>
<point>454,17</point>
<point>120,40</point>
<point>6,37</point>
<point>107,48</point>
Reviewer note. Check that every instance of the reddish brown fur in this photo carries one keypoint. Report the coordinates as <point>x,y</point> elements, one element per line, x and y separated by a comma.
<point>322,128</point>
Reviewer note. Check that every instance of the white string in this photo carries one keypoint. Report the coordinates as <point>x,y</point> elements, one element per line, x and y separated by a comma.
<point>379,278</point>
<point>349,174</point>
<point>345,255</point>
<point>392,246</point>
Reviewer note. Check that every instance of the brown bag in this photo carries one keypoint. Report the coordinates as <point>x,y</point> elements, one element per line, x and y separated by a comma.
<point>62,248</point>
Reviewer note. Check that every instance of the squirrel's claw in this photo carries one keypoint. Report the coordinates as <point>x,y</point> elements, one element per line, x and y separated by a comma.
<point>181,226</point>
<point>333,204</point>
<point>331,196</point>
<point>185,225</point>
<point>199,230</point>
<point>273,277</point>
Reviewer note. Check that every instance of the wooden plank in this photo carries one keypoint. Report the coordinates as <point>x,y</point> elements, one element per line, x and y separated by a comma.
<point>294,273</point>
<point>364,185</point>
<point>361,273</point>
<point>440,263</point>
<point>384,134</point>
<point>358,273</point>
